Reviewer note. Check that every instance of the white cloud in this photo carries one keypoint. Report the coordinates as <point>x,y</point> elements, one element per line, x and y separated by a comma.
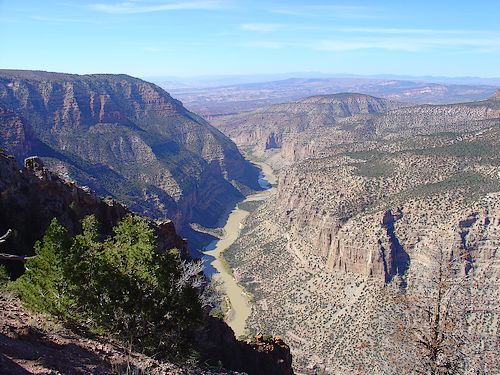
<point>265,44</point>
<point>132,7</point>
<point>376,30</point>
<point>341,11</point>
<point>409,44</point>
<point>62,20</point>
<point>261,27</point>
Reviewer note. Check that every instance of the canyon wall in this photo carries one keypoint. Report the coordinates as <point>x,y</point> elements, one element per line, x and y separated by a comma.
<point>126,138</point>
<point>338,260</point>
<point>268,127</point>
<point>314,127</point>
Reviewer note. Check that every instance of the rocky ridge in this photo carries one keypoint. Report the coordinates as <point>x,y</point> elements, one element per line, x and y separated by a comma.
<point>329,132</point>
<point>126,138</point>
<point>269,127</point>
<point>31,197</point>
<point>336,259</point>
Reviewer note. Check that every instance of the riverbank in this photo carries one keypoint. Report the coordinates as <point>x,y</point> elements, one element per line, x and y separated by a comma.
<point>238,299</point>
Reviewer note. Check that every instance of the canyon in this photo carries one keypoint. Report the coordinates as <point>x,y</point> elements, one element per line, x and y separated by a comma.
<point>379,208</point>
<point>126,138</point>
<point>237,300</point>
<point>342,260</point>
<point>36,343</point>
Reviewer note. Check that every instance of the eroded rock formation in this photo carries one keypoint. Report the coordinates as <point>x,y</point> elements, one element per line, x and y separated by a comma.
<point>269,127</point>
<point>316,127</point>
<point>349,244</point>
<point>126,138</point>
<point>31,197</point>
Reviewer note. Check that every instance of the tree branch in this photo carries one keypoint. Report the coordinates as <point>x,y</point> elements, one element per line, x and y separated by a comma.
<point>5,236</point>
<point>18,258</point>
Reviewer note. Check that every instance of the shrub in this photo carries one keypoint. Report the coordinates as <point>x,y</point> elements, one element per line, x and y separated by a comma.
<point>120,286</point>
<point>43,287</point>
<point>4,277</point>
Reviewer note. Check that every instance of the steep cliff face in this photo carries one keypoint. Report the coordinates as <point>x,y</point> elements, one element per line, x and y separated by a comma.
<point>123,137</point>
<point>16,133</point>
<point>349,235</point>
<point>269,127</point>
<point>330,204</point>
<point>31,197</point>
<point>315,127</point>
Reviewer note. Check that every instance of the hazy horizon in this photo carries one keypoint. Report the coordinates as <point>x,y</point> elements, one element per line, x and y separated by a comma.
<point>196,38</point>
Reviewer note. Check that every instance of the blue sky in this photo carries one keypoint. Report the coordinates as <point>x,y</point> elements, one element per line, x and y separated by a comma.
<point>218,37</point>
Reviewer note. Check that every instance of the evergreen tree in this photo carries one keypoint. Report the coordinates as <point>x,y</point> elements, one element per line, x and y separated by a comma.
<point>121,286</point>
<point>43,286</point>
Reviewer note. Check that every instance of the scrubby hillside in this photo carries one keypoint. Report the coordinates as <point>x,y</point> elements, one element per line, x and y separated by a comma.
<point>107,275</point>
<point>126,138</point>
<point>363,241</point>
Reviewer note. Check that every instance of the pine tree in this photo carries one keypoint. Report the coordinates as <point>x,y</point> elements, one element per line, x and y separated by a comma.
<point>43,286</point>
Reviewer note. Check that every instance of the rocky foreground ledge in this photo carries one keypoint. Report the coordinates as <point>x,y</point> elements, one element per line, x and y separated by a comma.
<point>29,343</point>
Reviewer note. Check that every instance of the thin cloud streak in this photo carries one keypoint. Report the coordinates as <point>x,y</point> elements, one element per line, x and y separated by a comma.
<point>341,11</point>
<point>375,30</point>
<point>407,44</point>
<point>270,27</point>
<point>139,7</point>
<point>261,27</point>
<point>62,20</point>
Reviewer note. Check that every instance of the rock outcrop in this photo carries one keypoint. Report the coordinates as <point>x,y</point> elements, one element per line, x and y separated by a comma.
<point>31,197</point>
<point>217,343</point>
<point>269,127</point>
<point>127,138</point>
<point>350,242</point>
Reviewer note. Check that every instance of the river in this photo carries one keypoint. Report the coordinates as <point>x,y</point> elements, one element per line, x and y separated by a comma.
<point>239,301</point>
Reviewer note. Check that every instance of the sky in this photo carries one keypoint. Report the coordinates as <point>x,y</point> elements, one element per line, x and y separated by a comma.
<point>188,38</point>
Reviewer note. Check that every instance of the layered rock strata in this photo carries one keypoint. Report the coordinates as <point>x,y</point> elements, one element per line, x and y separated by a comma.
<point>312,127</point>
<point>268,127</point>
<point>350,243</point>
<point>126,138</point>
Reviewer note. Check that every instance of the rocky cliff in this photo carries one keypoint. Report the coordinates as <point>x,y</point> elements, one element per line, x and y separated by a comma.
<point>16,134</point>
<point>314,128</point>
<point>126,138</point>
<point>31,197</point>
<point>352,239</point>
<point>268,127</point>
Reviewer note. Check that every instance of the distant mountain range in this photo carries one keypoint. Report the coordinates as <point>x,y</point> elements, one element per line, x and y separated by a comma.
<point>174,82</point>
<point>214,98</point>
